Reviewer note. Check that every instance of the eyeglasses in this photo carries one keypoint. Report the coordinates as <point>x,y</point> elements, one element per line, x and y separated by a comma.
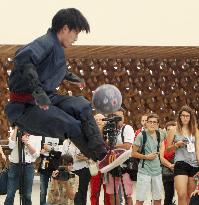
<point>153,122</point>
<point>185,116</point>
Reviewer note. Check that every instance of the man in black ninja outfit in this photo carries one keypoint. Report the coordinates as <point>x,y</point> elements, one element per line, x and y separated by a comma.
<point>39,68</point>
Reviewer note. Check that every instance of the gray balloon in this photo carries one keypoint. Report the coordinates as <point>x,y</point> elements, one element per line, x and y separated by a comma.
<point>107,99</point>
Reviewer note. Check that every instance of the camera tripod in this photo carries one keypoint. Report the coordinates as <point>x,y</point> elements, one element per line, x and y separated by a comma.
<point>111,131</point>
<point>100,184</point>
<point>120,175</point>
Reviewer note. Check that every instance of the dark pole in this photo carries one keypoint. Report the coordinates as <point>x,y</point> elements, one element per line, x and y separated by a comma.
<point>21,166</point>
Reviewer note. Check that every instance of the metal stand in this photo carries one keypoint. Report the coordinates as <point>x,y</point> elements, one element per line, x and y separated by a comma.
<point>125,196</point>
<point>21,154</point>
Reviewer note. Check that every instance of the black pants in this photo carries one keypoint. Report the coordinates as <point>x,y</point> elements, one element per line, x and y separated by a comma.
<point>67,116</point>
<point>44,179</point>
<point>84,179</point>
<point>168,183</point>
<point>194,200</point>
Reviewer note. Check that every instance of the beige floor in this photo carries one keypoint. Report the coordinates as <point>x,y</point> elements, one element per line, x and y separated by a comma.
<point>35,196</point>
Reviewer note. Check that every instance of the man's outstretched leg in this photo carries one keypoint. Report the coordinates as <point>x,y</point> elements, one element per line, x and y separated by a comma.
<point>81,110</point>
<point>95,140</point>
<point>54,123</point>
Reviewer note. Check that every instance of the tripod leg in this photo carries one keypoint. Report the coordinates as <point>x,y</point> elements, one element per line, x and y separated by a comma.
<point>115,199</point>
<point>125,196</point>
<point>21,166</point>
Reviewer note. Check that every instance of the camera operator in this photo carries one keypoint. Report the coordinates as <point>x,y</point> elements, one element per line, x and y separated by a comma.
<point>50,157</point>
<point>64,183</point>
<point>80,167</point>
<point>125,143</point>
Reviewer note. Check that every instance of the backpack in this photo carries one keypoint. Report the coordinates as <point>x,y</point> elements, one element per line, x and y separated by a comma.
<point>132,163</point>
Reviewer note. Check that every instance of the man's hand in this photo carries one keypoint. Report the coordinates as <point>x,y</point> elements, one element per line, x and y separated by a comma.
<point>197,174</point>
<point>41,98</point>
<point>80,156</point>
<point>171,167</point>
<point>42,151</point>
<point>180,144</point>
<point>25,139</point>
<point>44,107</point>
<point>196,192</point>
<point>55,173</point>
<point>151,156</point>
<point>3,156</point>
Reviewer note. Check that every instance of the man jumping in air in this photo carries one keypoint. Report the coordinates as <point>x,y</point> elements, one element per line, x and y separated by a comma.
<point>39,68</point>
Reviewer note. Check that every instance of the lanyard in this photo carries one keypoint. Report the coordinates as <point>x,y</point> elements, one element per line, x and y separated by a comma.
<point>189,139</point>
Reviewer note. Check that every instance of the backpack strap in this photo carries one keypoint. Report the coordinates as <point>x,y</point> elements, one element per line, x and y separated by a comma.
<point>144,142</point>
<point>158,139</point>
<point>122,134</point>
<point>42,141</point>
<point>143,145</point>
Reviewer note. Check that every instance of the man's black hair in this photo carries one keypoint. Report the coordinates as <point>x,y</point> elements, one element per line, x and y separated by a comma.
<point>71,17</point>
<point>66,159</point>
<point>152,115</point>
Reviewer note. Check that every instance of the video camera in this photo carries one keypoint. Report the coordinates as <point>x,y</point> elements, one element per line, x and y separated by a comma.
<point>110,130</point>
<point>63,174</point>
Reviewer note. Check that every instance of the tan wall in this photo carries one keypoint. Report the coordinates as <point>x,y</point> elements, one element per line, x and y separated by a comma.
<point>113,22</point>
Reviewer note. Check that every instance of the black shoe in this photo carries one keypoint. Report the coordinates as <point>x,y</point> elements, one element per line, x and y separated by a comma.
<point>95,141</point>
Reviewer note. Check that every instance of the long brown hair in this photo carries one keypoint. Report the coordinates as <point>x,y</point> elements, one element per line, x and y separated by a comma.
<point>192,123</point>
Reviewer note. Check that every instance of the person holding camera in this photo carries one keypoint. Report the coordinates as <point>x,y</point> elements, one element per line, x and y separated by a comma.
<point>50,157</point>
<point>64,183</point>
<point>80,168</point>
<point>125,143</point>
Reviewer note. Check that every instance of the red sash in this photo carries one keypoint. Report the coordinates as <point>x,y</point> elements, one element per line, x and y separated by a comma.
<point>21,97</point>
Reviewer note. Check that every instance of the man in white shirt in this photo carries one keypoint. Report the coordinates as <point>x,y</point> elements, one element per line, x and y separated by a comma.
<point>31,151</point>
<point>50,159</point>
